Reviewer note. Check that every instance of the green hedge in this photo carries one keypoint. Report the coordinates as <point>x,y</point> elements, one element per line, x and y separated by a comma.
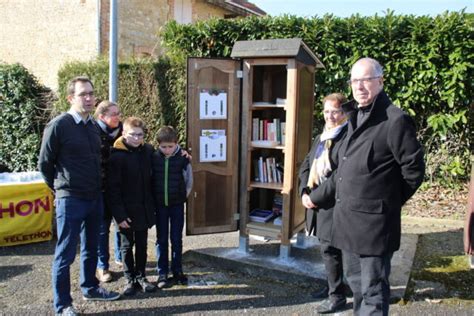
<point>146,89</point>
<point>428,63</point>
<point>23,115</point>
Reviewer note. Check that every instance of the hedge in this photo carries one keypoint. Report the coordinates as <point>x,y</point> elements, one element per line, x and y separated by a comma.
<point>428,64</point>
<point>23,115</point>
<point>147,89</point>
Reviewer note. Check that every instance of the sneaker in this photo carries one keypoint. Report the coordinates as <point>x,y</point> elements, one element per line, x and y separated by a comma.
<point>104,275</point>
<point>329,307</point>
<point>129,288</point>
<point>162,281</point>
<point>68,311</point>
<point>145,285</point>
<point>180,278</point>
<point>101,294</point>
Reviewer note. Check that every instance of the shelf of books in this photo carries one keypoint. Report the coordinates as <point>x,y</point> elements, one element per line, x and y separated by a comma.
<point>276,135</point>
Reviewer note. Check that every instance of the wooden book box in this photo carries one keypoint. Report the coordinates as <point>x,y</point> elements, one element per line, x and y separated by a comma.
<point>249,127</point>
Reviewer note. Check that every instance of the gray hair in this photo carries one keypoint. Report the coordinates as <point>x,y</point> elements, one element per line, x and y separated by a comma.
<point>376,67</point>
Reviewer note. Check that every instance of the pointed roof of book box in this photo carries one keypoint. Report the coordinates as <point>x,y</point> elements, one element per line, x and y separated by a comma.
<point>288,47</point>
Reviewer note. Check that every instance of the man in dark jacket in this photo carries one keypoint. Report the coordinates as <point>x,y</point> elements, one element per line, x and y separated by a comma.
<point>380,167</point>
<point>69,162</point>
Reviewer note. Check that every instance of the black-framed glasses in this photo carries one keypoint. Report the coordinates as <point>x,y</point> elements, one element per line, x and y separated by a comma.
<point>136,135</point>
<point>362,80</point>
<point>86,94</point>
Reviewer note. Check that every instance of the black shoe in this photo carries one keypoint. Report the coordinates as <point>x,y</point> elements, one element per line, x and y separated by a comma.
<point>321,293</point>
<point>180,278</point>
<point>162,281</point>
<point>327,306</point>
<point>145,285</point>
<point>129,288</point>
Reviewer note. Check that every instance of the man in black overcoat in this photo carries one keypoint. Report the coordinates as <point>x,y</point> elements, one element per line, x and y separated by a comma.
<point>380,167</point>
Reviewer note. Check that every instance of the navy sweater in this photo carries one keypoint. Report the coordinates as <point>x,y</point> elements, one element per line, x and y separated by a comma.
<point>69,158</point>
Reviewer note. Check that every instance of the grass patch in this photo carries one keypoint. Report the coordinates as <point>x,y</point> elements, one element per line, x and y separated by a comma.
<point>441,269</point>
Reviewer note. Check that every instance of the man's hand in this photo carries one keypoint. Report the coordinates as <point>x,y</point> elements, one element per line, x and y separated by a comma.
<point>306,200</point>
<point>125,224</point>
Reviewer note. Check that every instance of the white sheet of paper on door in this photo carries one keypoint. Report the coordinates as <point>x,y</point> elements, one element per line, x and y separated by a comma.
<point>212,104</point>
<point>212,146</point>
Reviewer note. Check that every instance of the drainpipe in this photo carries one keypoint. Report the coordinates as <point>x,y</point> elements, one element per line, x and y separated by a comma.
<point>113,51</point>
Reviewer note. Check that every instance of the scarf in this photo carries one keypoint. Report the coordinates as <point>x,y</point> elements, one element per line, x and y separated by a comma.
<point>321,166</point>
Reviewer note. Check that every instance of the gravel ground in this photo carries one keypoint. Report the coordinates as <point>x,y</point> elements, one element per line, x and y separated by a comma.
<point>25,287</point>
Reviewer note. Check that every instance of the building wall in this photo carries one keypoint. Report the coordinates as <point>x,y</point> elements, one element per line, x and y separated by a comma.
<point>44,34</point>
<point>139,24</point>
<point>205,11</point>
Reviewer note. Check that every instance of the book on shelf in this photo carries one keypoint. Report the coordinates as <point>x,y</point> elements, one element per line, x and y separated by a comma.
<point>271,130</point>
<point>260,215</point>
<point>267,170</point>
<point>277,221</point>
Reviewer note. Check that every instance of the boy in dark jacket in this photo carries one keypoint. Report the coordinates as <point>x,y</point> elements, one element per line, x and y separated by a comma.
<point>130,197</point>
<point>172,182</point>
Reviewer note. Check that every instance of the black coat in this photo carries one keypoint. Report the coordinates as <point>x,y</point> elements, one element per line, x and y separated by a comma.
<point>320,219</point>
<point>380,167</point>
<point>107,142</point>
<point>129,186</point>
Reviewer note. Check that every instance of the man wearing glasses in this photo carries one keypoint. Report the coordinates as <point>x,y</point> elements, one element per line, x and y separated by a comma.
<point>380,167</point>
<point>70,164</point>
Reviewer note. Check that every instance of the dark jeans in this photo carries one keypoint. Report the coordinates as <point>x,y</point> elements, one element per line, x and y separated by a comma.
<point>368,277</point>
<point>332,258</point>
<point>103,250</point>
<point>75,218</point>
<point>134,268</point>
<point>170,222</point>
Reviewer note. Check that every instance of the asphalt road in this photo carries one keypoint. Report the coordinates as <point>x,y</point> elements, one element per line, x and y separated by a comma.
<point>25,287</point>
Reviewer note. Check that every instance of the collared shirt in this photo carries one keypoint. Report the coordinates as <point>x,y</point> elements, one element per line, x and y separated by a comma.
<point>107,129</point>
<point>78,118</point>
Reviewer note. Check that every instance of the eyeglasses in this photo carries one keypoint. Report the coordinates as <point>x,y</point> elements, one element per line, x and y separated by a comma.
<point>86,94</point>
<point>333,112</point>
<point>136,135</point>
<point>361,80</point>
<point>114,114</point>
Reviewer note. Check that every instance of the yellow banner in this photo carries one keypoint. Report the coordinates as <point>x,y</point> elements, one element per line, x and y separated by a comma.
<point>25,213</point>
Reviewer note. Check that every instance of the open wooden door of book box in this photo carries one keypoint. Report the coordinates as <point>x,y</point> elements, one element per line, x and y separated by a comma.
<point>213,91</point>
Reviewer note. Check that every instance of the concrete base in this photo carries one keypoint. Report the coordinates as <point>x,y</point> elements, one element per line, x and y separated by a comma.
<point>264,260</point>
<point>305,265</point>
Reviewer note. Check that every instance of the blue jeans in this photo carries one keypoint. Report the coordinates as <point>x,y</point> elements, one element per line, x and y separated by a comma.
<point>75,218</point>
<point>170,221</point>
<point>368,277</point>
<point>103,250</point>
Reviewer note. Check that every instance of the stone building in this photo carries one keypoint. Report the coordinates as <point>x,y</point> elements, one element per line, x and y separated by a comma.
<point>44,34</point>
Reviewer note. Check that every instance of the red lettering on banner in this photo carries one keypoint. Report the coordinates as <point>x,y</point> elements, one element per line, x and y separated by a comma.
<point>10,209</point>
<point>29,208</point>
<point>25,207</point>
<point>21,238</point>
<point>46,206</point>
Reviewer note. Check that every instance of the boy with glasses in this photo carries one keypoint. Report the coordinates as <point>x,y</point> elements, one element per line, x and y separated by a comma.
<point>130,198</point>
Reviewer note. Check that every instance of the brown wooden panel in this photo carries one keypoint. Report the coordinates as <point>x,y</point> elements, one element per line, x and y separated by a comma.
<point>304,117</point>
<point>213,203</point>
